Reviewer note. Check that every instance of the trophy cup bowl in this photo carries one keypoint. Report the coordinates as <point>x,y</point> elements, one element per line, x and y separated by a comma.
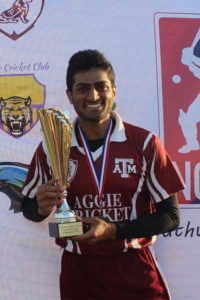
<point>57,136</point>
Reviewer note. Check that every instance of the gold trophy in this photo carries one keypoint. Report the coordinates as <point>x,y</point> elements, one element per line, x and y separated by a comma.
<point>57,132</point>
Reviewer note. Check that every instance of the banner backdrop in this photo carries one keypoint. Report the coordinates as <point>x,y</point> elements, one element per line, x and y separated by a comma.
<point>154,47</point>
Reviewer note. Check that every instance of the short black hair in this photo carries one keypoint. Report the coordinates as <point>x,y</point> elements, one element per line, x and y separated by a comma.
<point>85,60</point>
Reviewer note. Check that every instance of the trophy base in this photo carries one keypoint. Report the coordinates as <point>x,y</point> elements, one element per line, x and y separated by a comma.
<point>59,228</point>
<point>64,224</point>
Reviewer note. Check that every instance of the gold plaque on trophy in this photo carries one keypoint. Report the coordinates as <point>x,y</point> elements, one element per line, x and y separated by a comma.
<point>57,131</point>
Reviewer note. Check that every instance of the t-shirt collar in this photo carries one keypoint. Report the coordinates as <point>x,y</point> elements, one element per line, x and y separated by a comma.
<point>118,134</point>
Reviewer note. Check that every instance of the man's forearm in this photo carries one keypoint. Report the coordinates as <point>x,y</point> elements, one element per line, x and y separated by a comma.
<point>166,218</point>
<point>30,209</point>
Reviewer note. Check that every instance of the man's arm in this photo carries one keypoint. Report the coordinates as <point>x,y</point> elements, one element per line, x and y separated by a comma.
<point>30,209</point>
<point>48,195</point>
<point>165,218</point>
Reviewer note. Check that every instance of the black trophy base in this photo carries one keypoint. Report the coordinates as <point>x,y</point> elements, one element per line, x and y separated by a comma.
<point>61,228</point>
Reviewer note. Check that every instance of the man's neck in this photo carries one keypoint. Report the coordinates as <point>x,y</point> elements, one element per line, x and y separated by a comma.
<point>94,131</point>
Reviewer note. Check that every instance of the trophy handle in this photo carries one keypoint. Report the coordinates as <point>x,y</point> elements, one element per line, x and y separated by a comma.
<point>65,205</point>
<point>64,211</point>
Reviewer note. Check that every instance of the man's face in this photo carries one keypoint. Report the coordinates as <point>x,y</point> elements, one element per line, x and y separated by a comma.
<point>92,95</point>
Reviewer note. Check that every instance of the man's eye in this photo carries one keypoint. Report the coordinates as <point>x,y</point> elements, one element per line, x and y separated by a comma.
<point>82,89</point>
<point>102,87</point>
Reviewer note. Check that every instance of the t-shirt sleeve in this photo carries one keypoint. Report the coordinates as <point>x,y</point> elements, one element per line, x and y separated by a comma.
<point>162,177</point>
<point>39,172</point>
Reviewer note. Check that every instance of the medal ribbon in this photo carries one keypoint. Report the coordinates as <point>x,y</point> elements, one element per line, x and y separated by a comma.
<point>98,178</point>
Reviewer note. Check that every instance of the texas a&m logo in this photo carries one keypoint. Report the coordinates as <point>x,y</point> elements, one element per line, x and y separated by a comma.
<point>178,72</point>
<point>124,166</point>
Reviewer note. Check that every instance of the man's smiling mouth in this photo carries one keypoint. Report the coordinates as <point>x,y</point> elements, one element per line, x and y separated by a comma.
<point>94,105</point>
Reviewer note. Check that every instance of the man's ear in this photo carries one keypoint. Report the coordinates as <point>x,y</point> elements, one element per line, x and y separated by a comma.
<point>114,97</point>
<point>114,91</point>
<point>69,95</point>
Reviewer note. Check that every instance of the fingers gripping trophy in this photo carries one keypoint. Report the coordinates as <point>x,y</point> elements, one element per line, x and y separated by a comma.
<point>57,132</point>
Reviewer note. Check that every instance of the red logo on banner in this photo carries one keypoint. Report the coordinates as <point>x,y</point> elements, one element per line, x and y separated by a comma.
<point>19,16</point>
<point>178,68</point>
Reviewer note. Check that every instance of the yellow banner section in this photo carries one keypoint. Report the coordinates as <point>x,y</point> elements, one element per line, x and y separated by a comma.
<point>22,86</point>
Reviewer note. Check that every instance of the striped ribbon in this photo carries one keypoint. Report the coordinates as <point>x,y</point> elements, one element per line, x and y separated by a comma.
<point>98,177</point>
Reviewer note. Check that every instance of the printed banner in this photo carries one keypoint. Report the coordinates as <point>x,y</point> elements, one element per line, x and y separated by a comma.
<point>178,56</point>
<point>37,38</point>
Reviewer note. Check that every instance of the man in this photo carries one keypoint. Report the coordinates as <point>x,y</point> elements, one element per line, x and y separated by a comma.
<point>124,188</point>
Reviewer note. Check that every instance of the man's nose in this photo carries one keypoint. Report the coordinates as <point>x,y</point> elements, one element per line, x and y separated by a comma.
<point>93,94</point>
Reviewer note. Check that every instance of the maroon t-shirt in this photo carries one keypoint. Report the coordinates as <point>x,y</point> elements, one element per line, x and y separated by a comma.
<point>139,172</point>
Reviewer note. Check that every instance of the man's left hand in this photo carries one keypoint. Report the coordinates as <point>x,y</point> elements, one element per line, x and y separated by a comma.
<point>100,230</point>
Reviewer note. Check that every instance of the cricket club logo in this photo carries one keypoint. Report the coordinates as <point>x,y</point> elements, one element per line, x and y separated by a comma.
<point>178,72</point>
<point>20,98</point>
<point>19,16</point>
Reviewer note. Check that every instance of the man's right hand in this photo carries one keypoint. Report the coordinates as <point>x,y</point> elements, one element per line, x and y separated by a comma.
<point>48,195</point>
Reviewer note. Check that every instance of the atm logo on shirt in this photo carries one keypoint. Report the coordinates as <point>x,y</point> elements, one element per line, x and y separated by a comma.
<point>178,74</point>
<point>124,166</point>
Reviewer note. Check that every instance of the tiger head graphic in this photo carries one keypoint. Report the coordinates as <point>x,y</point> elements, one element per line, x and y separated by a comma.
<point>15,114</point>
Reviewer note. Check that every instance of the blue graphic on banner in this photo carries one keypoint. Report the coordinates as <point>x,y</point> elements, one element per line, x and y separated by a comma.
<point>12,178</point>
